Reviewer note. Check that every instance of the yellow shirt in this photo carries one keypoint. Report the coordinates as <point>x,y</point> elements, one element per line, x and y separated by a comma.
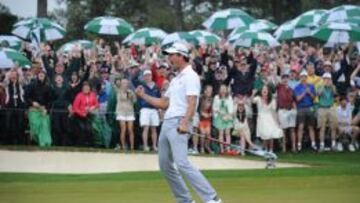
<point>317,82</point>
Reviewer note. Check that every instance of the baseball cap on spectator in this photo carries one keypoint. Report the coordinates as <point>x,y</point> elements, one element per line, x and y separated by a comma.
<point>133,64</point>
<point>296,67</point>
<point>220,68</point>
<point>177,48</point>
<point>326,75</point>
<point>146,72</point>
<point>163,65</point>
<point>104,69</point>
<point>285,73</point>
<point>303,73</point>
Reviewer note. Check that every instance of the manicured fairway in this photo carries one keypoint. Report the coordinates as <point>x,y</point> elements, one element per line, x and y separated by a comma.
<point>332,178</point>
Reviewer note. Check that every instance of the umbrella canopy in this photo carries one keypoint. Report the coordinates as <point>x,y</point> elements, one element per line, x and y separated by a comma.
<point>179,37</point>
<point>205,37</point>
<point>250,38</point>
<point>145,36</point>
<point>337,33</point>
<point>288,30</point>
<point>12,41</point>
<point>309,19</point>
<point>341,13</point>
<point>109,25</point>
<point>43,28</point>
<point>81,44</point>
<point>228,19</point>
<point>10,58</point>
<point>257,25</point>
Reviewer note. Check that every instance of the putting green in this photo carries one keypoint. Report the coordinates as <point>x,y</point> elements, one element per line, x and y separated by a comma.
<point>334,178</point>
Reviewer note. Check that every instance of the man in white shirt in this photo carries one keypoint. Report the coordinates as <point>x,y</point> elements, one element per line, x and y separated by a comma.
<point>180,102</point>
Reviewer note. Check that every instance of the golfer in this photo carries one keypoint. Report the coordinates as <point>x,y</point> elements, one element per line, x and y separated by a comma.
<point>180,102</point>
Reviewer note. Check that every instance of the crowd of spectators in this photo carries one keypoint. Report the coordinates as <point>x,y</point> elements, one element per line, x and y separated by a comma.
<point>294,97</point>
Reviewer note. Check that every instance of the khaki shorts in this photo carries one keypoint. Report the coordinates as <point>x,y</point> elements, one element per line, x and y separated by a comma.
<point>326,115</point>
<point>287,118</point>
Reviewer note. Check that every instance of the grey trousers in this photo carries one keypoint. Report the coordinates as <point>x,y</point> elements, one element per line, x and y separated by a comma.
<point>174,164</point>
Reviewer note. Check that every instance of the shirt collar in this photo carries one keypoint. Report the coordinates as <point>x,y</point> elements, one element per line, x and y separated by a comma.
<point>185,70</point>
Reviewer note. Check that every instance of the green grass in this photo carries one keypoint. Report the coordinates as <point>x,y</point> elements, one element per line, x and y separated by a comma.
<point>332,178</point>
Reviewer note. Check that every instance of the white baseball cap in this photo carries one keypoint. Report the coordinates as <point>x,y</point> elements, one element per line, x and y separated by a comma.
<point>303,73</point>
<point>177,48</point>
<point>326,75</point>
<point>147,72</point>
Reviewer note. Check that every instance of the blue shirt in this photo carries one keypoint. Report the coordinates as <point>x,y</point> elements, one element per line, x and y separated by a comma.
<point>152,91</point>
<point>104,93</point>
<point>307,100</point>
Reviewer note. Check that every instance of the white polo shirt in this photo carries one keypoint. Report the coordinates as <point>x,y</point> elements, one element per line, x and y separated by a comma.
<point>186,83</point>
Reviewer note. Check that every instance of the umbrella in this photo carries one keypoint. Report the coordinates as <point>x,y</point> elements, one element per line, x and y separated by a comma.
<point>43,28</point>
<point>205,37</point>
<point>81,44</point>
<point>257,25</point>
<point>288,30</point>
<point>341,13</point>
<point>309,19</point>
<point>250,38</point>
<point>337,33</point>
<point>109,25</point>
<point>12,41</point>
<point>145,36</point>
<point>178,36</point>
<point>10,58</point>
<point>228,19</point>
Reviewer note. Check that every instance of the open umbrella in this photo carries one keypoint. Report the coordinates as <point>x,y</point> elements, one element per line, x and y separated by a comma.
<point>81,44</point>
<point>205,37</point>
<point>42,28</point>
<point>109,25</point>
<point>250,38</point>
<point>228,19</point>
<point>309,19</point>
<point>179,37</point>
<point>337,33</point>
<point>341,13</point>
<point>257,25</point>
<point>10,58</point>
<point>145,36</point>
<point>12,41</point>
<point>288,30</point>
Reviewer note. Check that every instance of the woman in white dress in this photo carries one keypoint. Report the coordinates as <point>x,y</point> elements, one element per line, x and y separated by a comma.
<point>267,127</point>
<point>241,127</point>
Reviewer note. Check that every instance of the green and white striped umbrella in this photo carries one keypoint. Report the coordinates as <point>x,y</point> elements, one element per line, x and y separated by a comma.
<point>250,38</point>
<point>10,58</point>
<point>309,19</point>
<point>12,41</point>
<point>109,25</point>
<point>145,36</point>
<point>258,25</point>
<point>288,30</point>
<point>341,13</point>
<point>179,37</point>
<point>205,37</point>
<point>81,44</point>
<point>228,19</point>
<point>43,28</point>
<point>337,33</point>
